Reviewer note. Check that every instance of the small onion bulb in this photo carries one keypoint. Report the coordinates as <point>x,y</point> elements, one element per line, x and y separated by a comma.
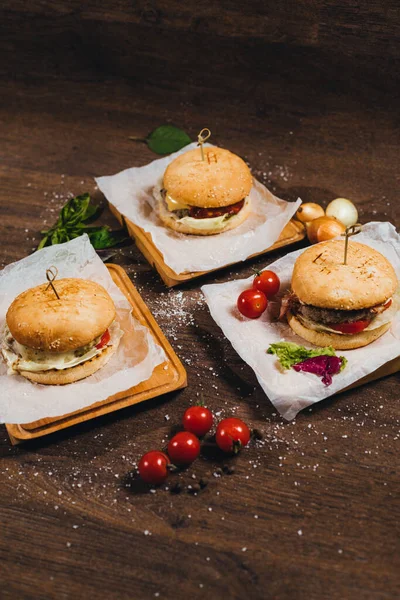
<point>323,229</point>
<point>343,210</point>
<point>309,211</point>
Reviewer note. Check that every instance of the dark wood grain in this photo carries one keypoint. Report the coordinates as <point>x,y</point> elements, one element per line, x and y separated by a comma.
<point>312,511</point>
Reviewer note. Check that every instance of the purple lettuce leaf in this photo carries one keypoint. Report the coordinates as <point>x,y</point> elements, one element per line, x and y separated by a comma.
<point>323,366</point>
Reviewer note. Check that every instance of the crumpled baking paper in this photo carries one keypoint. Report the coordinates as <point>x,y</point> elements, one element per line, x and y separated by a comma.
<point>131,192</point>
<point>22,401</point>
<point>290,391</point>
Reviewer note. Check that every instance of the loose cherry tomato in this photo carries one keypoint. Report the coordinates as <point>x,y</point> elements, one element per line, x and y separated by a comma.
<point>267,282</point>
<point>105,338</point>
<point>232,434</point>
<point>198,420</point>
<point>153,467</point>
<point>350,328</point>
<point>184,448</point>
<point>252,303</point>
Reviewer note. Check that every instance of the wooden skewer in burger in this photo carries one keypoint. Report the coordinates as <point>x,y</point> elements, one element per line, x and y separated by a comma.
<point>341,294</point>
<point>60,332</point>
<point>205,191</point>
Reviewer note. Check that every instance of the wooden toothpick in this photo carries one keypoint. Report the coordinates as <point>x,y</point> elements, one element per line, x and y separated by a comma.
<point>51,274</point>
<point>352,230</point>
<point>201,138</point>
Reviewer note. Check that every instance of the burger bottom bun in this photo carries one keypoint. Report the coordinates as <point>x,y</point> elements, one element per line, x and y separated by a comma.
<point>65,376</point>
<point>339,342</point>
<point>169,219</point>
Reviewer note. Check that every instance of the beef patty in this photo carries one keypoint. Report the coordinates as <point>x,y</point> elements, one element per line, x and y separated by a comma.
<point>327,316</point>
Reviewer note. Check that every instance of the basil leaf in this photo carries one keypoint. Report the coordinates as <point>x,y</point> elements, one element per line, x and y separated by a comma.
<point>166,139</point>
<point>105,238</point>
<point>83,228</point>
<point>62,236</point>
<point>91,212</point>
<point>71,224</point>
<point>43,243</point>
<point>75,209</point>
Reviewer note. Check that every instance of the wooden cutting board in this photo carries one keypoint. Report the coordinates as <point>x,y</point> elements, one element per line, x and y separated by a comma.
<point>293,232</point>
<point>166,377</point>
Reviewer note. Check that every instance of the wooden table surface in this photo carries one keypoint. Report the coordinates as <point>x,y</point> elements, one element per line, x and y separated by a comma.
<point>312,510</point>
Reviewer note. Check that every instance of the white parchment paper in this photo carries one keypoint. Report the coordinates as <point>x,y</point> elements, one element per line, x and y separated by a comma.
<point>22,401</point>
<point>290,391</point>
<point>131,192</point>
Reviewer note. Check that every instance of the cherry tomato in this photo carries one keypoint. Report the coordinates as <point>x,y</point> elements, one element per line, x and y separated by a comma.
<point>105,338</point>
<point>184,448</point>
<point>232,434</point>
<point>153,467</point>
<point>198,420</point>
<point>267,282</point>
<point>252,303</point>
<point>350,328</point>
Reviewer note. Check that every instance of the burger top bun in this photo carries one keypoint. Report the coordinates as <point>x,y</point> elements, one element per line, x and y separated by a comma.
<point>221,179</point>
<point>320,278</point>
<point>39,320</point>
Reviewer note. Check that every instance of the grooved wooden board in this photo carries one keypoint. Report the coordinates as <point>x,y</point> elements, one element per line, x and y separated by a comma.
<point>166,377</point>
<point>293,232</point>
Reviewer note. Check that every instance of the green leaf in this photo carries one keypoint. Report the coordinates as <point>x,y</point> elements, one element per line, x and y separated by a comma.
<point>71,224</point>
<point>83,228</point>
<point>43,243</point>
<point>166,139</point>
<point>104,238</point>
<point>62,236</point>
<point>76,210</point>
<point>91,212</point>
<point>290,354</point>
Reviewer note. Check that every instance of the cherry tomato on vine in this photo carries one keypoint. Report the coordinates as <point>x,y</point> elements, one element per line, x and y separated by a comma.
<point>184,448</point>
<point>267,282</point>
<point>232,435</point>
<point>252,303</point>
<point>198,420</point>
<point>153,467</point>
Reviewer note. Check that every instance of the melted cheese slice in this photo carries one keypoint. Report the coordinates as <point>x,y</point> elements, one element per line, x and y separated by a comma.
<point>175,204</point>
<point>46,361</point>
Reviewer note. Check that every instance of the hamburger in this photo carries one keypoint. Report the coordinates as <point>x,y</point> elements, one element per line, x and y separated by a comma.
<point>204,197</point>
<point>55,341</point>
<point>341,305</point>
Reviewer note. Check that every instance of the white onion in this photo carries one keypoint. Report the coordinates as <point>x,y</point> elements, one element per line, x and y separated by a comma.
<point>323,229</point>
<point>309,211</point>
<point>343,210</point>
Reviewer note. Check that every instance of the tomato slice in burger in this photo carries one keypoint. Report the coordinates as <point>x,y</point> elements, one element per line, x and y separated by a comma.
<point>105,338</point>
<point>350,328</point>
<point>388,304</point>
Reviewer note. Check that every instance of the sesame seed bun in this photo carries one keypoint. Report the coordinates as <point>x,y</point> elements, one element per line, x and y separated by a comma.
<point>337,341</point>
<point>39,320</point>
<point>171,221</point>
<point>321,279</point>
<point>221,179</point>
<point>65,376</point>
